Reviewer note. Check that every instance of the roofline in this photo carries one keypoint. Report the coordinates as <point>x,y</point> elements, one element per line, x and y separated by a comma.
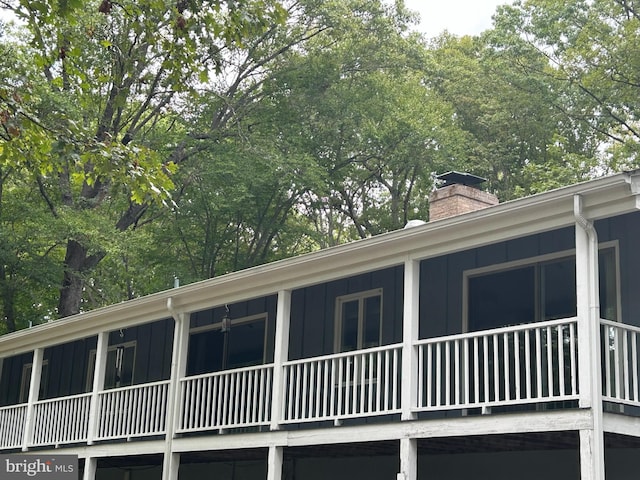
<point>606,196</point>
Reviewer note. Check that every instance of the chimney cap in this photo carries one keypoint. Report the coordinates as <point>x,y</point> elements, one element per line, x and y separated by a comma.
<point>453,178</point>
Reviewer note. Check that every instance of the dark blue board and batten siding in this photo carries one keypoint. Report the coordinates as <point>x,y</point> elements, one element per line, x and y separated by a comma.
<point>441,278</point>
<point>66,366</point>
<point>154,345</point>
<point>11,376</point>
<point>312,329</point>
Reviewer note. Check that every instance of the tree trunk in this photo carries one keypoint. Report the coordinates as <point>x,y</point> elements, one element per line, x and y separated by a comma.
<point>8,302</point>
<point>77,261</point>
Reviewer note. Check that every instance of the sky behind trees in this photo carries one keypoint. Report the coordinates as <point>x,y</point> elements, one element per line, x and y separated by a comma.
<point>461,17</point>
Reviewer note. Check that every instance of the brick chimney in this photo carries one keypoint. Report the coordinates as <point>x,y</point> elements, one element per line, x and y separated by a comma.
<point>459,194</point>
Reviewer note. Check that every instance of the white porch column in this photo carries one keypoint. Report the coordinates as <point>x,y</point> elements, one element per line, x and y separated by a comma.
<point>410,332</point>
<point>99,369</point>
<point>34,392</point>
<point>90,466</point>
<point>171,460</point>
<point>280,355</point>
<point>274,463</point>
<point>588,310</point>
<point>408,459</point>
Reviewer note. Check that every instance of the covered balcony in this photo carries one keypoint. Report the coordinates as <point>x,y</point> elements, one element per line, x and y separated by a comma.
<point>529,366</point>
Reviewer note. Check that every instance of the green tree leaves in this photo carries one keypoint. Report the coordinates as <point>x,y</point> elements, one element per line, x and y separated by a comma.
<point>159,138</point>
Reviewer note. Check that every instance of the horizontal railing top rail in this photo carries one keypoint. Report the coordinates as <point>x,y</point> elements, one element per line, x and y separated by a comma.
<point>625,326</point>
<point>10,407</point>
<point>350,353</point>
<point>133,387</point>
<point>498,331</point>
<point>62,399</point>
<point>226,372</point>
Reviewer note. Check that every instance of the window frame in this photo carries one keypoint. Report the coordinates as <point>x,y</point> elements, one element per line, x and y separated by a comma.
<point>338,320</point>
<point>537,261</point>
<point>25,381</point>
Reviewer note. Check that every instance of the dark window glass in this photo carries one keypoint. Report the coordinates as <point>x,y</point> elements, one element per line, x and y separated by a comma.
<point>350,316</point>
<point>372,316</point>
<point>542,291</point>
<point>558,288</point>
<point>502,298</point>
<point>205,352</point>
<point>246,344</point>
<point>608,284</point>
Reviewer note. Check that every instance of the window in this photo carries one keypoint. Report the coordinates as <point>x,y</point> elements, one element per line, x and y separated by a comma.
<point>25,381</point>
<point>213,348</point>
<point>119,366</point>
<point>537,291</point>
<point>358,320</point>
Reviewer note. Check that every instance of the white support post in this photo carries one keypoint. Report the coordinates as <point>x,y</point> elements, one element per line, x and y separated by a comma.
<point>99,368</point>
<point>408,459</point>
<point>588,311</point>
<point>171,460</point>
<point>90,467</point>
<point>274,463</point>
<point>34,392</point>
<point>280,355</point>
<point>410,332</point>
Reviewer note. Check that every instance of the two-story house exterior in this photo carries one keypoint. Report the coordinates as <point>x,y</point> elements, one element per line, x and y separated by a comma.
<point>498,342</point>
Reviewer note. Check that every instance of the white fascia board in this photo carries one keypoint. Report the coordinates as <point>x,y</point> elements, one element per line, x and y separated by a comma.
<point>104,450</point>
<point>529,422</point>
<point>621,424</point>
<point>603,197</point>
<point>526,422</point>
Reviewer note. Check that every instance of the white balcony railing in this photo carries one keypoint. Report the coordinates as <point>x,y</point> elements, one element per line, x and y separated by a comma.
<point>12,420</point>
<point>619,350</point>
<point>134,411</point>
<point>61,420</point>
<point>526,364</point>
<point>530,363</point>
<point>340,386</point>
<point>230,399</point>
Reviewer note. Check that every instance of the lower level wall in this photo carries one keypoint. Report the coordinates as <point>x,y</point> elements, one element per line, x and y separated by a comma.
<point>528,465</point>
<point>621,464</point>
